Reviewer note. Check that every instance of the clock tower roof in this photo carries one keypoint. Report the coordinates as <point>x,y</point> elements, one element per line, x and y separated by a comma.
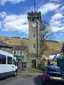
<point>34,15</point>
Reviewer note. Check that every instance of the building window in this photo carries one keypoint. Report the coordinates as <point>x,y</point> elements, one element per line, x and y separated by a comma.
<point>9,60</point>
<point>2,59</point>
<point>34,35</point>
<point>14,52</point>
<point>18,52</point>
<point>22,53</point>
<point>33,45</point>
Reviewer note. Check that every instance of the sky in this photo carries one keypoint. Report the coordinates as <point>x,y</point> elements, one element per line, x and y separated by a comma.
<point>14,22</point>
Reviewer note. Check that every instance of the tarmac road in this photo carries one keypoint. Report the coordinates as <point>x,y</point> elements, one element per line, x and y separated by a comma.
<point>22,80</point>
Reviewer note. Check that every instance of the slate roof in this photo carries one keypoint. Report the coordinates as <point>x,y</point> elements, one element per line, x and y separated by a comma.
<point>19,47</point>
<point>2,44</point>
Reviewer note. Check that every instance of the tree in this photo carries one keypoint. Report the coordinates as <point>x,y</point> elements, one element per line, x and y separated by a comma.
<point>46,33</point>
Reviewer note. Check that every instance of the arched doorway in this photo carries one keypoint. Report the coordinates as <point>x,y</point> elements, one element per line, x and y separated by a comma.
<point>33,63</point>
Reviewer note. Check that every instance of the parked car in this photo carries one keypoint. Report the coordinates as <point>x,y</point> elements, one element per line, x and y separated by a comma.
<point>52,75</point>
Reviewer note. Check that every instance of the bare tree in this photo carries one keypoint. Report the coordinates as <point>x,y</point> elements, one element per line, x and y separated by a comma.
<point>46,33</point>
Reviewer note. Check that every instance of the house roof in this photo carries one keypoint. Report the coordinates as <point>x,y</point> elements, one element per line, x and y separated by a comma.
<point>18,47</point>
<point>2,44</point>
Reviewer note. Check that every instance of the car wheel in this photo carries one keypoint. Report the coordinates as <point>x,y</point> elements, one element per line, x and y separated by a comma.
<point>15,73</point>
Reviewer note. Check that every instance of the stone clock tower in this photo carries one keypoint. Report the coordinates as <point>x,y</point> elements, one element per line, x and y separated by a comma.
<point>34,19</point>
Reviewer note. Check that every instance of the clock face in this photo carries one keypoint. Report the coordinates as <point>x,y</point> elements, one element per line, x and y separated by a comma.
<point>33,24</point>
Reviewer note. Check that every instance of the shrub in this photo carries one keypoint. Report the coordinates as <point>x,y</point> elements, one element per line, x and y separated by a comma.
<point>41,66</point>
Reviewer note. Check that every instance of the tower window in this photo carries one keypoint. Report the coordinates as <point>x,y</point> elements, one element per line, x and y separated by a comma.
<point>14,51</point>
<point>34,35</point>
<point>33,45</point>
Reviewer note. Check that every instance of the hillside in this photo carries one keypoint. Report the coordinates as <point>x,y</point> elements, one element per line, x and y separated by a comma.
<point>54,46</point>
<point>15,41</point>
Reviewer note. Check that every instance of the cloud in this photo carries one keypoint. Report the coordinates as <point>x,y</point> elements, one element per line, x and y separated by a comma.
<point>2,15</point>
<point>58,36</point>
<point>0,25</point>
<point>2,2</point>
<point>55,0</point>
<point>48,7</point>
<point>56,28</point>
<point>60,10</point>
<point>57,21</point>
<point>57,16</point>
<point>61,34</point>
<point>12,23</point>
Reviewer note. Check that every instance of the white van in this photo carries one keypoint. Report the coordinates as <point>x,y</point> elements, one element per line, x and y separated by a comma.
<point>7,64</point>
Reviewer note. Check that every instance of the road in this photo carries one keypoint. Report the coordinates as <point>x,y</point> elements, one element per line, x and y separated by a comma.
<point>22,80</point>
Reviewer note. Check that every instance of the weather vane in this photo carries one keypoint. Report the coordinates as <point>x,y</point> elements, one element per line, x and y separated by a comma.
<point>34,5</point>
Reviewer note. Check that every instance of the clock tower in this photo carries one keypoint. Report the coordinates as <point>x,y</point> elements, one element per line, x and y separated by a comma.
<point>34,19</point>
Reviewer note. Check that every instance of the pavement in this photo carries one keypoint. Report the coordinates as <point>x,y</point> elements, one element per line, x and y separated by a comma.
<point>30,71</point>
<point>20,79</point>
<point>35,73</point>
